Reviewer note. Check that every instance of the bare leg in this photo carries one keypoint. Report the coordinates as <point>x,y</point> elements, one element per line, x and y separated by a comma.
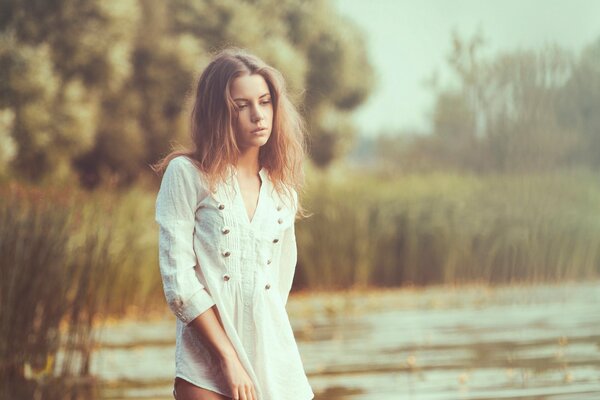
<point>188,391</point>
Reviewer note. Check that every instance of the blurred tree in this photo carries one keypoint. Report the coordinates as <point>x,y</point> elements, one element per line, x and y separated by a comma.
<point>8,147</point>
<point>104,86</point>
<point>50,118</point>
<point>58,58</point>
<point>524,110</point>
<point>502,116</point>
<point>339,79</point>
<point>522,129</point>
<point>579,103</point>
<point>145,113</point>
<point>455,126</point>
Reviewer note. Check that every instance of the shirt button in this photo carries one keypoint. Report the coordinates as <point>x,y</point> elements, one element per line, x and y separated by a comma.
<point>225,230</point>
<point>226,254</point>
<point>280,221</point>
<point>267,286</point>
<point>278,208</point>
<point>275,240</point>
<point>226,277</point>
<point>269,261</point>
<point>221,206</point>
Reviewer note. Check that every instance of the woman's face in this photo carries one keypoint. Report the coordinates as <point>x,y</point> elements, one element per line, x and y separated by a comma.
<point>255,116</point>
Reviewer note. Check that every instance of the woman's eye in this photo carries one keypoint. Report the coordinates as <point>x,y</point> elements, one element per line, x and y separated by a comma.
<point>243,106</point>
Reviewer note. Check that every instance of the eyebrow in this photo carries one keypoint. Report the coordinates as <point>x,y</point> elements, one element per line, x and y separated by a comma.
<point>242,99</point>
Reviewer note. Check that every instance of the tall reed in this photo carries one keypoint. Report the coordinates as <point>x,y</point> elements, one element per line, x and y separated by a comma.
<point>447,228</point>
<point>53,254</point>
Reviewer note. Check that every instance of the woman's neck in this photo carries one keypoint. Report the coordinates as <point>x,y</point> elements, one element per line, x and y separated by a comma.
<point>248,163</point>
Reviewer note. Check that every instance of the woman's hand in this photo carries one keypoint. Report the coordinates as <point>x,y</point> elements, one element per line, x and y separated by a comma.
<point>210,327</point>
<point>239,382</point>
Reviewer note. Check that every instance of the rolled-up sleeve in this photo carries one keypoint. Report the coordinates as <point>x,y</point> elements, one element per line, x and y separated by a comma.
<point>175,214</point>
<point>289,257</point>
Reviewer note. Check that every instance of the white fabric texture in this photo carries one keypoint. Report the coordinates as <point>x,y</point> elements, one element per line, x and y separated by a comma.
<point>212,254</point>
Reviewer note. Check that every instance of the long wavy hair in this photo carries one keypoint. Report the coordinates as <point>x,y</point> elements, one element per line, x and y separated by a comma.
<point>213,115</point>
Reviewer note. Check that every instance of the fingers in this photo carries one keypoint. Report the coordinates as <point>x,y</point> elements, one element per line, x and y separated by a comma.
<point>248,393</point>
<point>245,392</point>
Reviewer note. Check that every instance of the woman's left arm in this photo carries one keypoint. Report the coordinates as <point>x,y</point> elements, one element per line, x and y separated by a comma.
<point>289,257</point>
<point>287,263</point>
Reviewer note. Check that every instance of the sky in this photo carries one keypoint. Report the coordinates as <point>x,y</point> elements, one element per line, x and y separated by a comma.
<point>408,41</point>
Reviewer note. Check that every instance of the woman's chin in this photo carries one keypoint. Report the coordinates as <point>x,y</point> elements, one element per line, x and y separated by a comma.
<point>255,144</point>
<point>261,141</point>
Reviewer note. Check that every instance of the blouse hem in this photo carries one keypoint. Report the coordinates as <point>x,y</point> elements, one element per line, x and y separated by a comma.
<point>202,386</point>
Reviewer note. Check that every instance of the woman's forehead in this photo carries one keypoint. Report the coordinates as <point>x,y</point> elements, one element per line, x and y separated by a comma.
<point>247,87</point>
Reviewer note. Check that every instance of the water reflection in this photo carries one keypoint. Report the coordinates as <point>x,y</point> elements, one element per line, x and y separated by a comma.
<point>439,343</point>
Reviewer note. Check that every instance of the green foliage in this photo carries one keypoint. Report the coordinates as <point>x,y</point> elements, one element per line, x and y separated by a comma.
<point>57,59</point>
<point>103,87</point>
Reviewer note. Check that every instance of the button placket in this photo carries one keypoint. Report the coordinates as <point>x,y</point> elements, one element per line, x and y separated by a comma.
<point>225,229</point>
<point>267,272</point>
<point>280,220</point>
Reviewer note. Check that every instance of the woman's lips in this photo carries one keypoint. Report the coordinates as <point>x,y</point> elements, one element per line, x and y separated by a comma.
<point>259,130</point>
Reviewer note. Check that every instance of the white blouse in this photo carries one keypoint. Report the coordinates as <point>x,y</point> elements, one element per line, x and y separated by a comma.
<point>211,253</point>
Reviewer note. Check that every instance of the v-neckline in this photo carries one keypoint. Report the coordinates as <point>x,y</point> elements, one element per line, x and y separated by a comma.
<point>242,203</point>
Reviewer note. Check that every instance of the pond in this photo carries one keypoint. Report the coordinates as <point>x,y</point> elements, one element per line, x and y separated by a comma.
<point>449,342</point>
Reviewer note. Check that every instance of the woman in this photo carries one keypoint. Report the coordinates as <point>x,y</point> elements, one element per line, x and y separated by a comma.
<point>227,247</point>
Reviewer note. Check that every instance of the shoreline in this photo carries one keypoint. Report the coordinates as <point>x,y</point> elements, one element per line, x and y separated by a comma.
<point>339,300</point>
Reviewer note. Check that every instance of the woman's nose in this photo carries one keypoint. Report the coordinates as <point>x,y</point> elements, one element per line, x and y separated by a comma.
<point>257,115</point>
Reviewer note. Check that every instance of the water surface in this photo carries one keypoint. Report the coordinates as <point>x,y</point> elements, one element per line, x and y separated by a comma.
<point>464,342</point>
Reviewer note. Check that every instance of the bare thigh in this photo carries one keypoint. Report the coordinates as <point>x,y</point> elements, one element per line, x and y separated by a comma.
<point>188,391</point>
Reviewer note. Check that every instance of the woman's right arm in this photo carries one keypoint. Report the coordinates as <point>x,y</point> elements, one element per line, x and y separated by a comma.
<point>188,299</point>
<point>175,214</point>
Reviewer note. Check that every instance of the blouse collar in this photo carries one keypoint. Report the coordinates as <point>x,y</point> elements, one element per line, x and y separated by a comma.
<point>262,172</point>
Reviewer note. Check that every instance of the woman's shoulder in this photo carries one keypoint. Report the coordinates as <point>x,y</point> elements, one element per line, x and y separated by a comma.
<point>184,165</point>
<point>182,161</point>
